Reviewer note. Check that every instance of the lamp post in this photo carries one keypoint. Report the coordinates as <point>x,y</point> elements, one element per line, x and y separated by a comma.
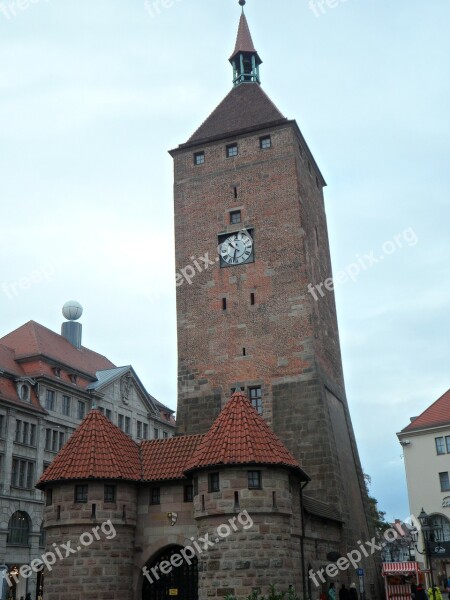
<point>428,536</point>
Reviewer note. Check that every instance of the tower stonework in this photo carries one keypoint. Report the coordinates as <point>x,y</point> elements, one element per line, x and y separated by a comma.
<point>257,324</point>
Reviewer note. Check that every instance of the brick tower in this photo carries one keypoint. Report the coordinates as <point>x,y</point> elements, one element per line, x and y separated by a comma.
<point>251,237</point>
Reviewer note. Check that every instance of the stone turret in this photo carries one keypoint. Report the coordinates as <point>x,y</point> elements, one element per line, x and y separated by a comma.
<point>90,514</point>
<point>246,493</point>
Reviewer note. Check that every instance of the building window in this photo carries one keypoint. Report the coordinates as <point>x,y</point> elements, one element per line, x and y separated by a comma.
<point>199,158</point>
<point>108,414</point>
<point>447,442</point>
<point>120,420</point>
<point>127,425</point>
<point>25,392</point>
<point>2,426</point>
<point>235,217</point>
<point>224,304</point>
<point>155,495</point>
<point>66,406</point>
<point>50,400</point>
<point>213,482</point>
<point>265,142</point>
<point>18,529</point>
<point>32,435</point>
<point>49,497</point>
<point>445,482</point>
<point>81,494</point>
<point>165,435</point>
<point>81,410</point>
<point>254,480</point>
<point>195,486</point>
<point>256,398</point>
<point>440,447</point>
<point>110,494</point>
<point>188,493</point>
<point>232,150</point>
<point>139,430</point>
<point>22,474</point>
<point>156,433</point>
<point>42,536</point>
<point>145,431</point>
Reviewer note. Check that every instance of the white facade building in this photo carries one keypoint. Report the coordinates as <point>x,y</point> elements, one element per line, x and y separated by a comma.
<point>47,386</point>
<point>426,450</point>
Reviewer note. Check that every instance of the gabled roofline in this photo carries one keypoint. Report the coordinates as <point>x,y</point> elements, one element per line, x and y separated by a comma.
<point>278,124</point>
<point>227,136</point>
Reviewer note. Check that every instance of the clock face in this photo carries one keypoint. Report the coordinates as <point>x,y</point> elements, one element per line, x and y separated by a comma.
<point>236,249</point>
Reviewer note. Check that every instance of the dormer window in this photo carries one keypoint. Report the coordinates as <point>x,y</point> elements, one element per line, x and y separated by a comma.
<point>25,392</point>
<point>73,378</point>
<point>57,371</point>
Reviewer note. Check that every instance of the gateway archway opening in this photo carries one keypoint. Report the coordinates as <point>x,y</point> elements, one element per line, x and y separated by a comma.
<point>181,583</point>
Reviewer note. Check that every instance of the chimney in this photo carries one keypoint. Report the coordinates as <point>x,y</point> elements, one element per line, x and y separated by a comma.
<point>71,330</point>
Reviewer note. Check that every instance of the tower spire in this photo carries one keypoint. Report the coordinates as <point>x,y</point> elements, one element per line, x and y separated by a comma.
<point>245,58</point>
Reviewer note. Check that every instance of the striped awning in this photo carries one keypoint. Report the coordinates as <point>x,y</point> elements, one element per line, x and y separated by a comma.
<point>399,568</point>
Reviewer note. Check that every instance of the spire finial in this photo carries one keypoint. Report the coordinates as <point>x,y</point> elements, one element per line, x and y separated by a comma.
<point>242,3</point>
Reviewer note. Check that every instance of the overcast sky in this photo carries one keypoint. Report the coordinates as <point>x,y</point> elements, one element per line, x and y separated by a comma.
<point>93,94</point>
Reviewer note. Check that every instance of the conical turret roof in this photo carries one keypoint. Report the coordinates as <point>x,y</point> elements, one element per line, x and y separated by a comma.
<point>240,436</point>
<point>96,450</point>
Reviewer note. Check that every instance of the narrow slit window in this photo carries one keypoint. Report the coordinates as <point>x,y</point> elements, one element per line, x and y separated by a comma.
<point>235,191</point>
<point>224,304</point>
<point>252,299</point>
<point>244,352</point>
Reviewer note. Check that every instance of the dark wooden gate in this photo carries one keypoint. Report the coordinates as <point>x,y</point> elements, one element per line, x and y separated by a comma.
<point>180,584</point>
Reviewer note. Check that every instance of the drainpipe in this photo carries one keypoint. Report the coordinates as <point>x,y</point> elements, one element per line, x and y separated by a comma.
<point>302,538</point>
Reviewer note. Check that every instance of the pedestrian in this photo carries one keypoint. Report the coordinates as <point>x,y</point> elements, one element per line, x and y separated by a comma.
<point>354,592</point>
<point>413,590</point>
<point>331,592</point>
<point>344,593</point>
<point>421,593</point>
<point>436,595</point>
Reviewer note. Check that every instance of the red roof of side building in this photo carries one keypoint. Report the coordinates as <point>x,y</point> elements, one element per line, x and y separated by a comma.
<point>33,339</point>
<point>241,436</point>
<point>96,450</point>
<point>167,459</point>
<point>435,415</point>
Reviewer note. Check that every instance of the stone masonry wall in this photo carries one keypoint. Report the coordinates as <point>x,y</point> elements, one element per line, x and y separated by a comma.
<point>102,569</point>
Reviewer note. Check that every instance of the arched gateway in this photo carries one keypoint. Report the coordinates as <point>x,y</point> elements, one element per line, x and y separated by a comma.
<point>179,583</point>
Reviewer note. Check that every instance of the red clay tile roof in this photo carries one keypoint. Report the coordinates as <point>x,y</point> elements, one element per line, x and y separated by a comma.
<point>436,414</point>
<point>247,106</point>
<point>33,339</point>
<point>244,42</point>
<point>97,450</point>
<point>240,436</point>
<point>167,459</point>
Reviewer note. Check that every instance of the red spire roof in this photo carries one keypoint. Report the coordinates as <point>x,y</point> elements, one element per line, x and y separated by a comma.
<point>244,42</point>
<point>239,436</point>
<point>435,415</point>
<point>97,450</point>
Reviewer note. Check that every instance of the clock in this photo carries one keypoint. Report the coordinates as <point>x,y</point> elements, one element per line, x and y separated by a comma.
<point>236,249</point>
